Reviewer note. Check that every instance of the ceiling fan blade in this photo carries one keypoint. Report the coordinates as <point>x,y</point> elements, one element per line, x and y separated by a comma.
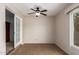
<point>31,13</point>
<point>44,11</point>
<point>43,14</point>
<point>33,9</point>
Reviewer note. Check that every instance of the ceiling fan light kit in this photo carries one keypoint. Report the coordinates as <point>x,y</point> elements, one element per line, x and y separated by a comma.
<point>38,12</point>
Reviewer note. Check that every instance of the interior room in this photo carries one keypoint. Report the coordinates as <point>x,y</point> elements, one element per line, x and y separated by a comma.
<point>39,29</point>
<point>9,31</point>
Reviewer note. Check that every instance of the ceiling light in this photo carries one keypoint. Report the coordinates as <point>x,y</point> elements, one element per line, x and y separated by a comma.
<point>37,14</point>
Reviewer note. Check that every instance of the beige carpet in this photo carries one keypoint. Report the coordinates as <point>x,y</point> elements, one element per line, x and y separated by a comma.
<point>38,49</point>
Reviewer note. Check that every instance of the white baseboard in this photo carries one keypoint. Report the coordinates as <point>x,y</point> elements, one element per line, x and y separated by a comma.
<point>38,43</point>
<point>22,43</point>
<point>2,53</point>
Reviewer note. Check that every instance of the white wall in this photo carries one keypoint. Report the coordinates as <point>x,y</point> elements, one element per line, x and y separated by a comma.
<point>2,29</point>
<point>63,31</point>
<point>38,30</point>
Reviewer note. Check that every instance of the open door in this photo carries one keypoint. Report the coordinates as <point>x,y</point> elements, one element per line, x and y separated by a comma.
<point>17,31</point>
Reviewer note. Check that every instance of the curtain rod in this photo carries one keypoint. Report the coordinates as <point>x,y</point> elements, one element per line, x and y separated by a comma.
<point>72,9</point>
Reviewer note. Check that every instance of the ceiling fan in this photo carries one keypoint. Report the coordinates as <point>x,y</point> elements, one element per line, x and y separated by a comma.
<point>38,12</point>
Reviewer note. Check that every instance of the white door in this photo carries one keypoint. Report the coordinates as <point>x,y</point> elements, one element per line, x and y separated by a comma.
<point>17,31</point>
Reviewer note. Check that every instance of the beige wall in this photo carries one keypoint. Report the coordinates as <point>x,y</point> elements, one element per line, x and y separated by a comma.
<point>63,31</point>
<point>14,10</point>
<point>38,30</point>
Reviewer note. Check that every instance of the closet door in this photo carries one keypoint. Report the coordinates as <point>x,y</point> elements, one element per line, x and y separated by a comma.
<point>17,31</point>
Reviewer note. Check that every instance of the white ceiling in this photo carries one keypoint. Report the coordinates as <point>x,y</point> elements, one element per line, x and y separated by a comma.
<point>53,8</point>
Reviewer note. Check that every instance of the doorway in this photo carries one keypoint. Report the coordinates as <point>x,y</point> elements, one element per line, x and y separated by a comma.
<point>9,31</point>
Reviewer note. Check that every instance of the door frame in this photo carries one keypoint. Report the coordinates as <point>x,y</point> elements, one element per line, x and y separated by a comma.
<point>72,29</point>
<point>21,20</point>
<point>15,45</point>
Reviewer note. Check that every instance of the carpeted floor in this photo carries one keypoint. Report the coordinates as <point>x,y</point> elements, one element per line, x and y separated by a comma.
<point>38,49</point>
